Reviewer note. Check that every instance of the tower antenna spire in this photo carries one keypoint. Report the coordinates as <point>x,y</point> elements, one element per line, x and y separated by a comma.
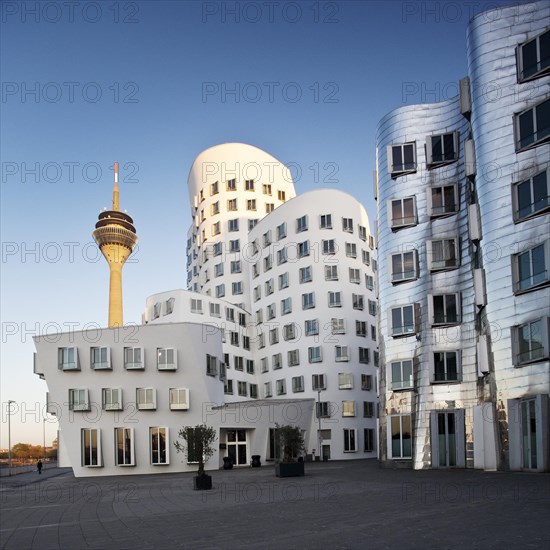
<point>116,203</point>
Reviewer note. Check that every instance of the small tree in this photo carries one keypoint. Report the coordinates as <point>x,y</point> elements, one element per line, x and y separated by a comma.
<point>291,440</point>
<point>197,443</point>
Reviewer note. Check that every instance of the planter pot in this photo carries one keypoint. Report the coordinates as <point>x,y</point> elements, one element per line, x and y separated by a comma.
<point>202,483</point>
<point>227,463</point>
<point>256,462</point>
<point>289,470</point>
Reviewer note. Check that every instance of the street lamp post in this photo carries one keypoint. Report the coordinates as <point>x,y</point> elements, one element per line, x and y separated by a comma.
<point>9,436</point>
<point>44,438</point>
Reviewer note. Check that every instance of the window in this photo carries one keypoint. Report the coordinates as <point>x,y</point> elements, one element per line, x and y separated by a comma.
<point>312,327</point>
<point>297,384</point>
<point>268,262</point>
<point>242,389</point>
<point>124,447</point>
<point>402,321</point>
<point>169,306</point>
<point>314,354</point>
<point>338,326</point>
<point>67,359</point>
<point>250,366</point>
<point>277,361</point>
<point>329,246</point>
<point>530,269</point>
<point>274,336</point>
<point>366,382</point>
<point>90,445</point>
<point>331,273</point>
<point>269,207</point>
<point>372,307</point>
<point>281,195</point>
<point>401,374</point>
<point>218,270</point>
<point>308,300</point>
<point>400,436</point>
<point>301,224</point>
<point>238,362</point>
<point>404,266</point>
<point>358,301</point>
<point>348,408</point>
<point>253,389</point>
<point>234,336</point>
<point>220,291</point>
<point>373,332</point>
<point>281,231</point>
<point>289,331</point>
<point>179,399</point>
<point>318,382</point>
<point>293,357</point>
<point>286,306</point>
<point>237,288</point>
<point>305,274</point>
<point>235,266</point>
<point>281,256</point>
<point>325,221</point>
<point>361,328</point>
<point>446,366</point>
<point>347,225</point>
<point>270,312</point>
<point>234,245</point>
<point>368,409</point>
<point>341,353</point>
<point>362,232</point>
<point>322,409</point>
<point>217,249</point>
<point>266,189</point>
<point>531,126</point>
<point>232,205</point>
<point>249,185</point>
<point>444,309</point>
<point>111,399</point>
<point>369,282</point>
<point>334,299</point>
<point>246,342</point>
<point>531,197</point>
<point>196,306</point>
<point>443,254</point>
<point>530,342</point>
<point>133,358</point>
<point>233,225</point>
<point>443,200</point>
<point>78,400</point>
<point>533,57</point>
<point>401,159</point>
<point>354,276</point>
<point>100,358</point>
<point>230,314</point>
<point>403,212</point>
<point>441,149</point>
<point>216,229</point>
<point>365,256</point>
<point>303,249</point>
<point>166,359</point>
<point>369,441</point>
<point>215,310</point>
<point>283,280</point>
<point>264,367</point>
<point>266,238</point>
<point>351,250</point>
<point>214,188</point>
<point>252,223</point>
<point>160,446</point>
<point>345,381</point>
<point>364,355</point>
<point>146,398</point>
<point>280,386</point>
<point>228,387</point>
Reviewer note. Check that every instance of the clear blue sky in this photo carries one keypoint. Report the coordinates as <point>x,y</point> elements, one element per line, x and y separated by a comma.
<point>148,84</point>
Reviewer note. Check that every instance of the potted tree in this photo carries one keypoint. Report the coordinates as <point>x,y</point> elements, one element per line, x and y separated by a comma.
<point>197,443</point>
<point>290,439</point>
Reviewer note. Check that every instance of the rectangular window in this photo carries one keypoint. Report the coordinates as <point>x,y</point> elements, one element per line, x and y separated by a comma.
<point>364,355</point>
<point>264,367</point>
<point>322,409</point>
<point>401,159</point>
<point>533,57</point>
<point>354,276</point>
<point>111,399</point>
<point>338,326</point>
<point>347,225</point>
<point>215,310</point>
<point>216,229</point>
<point>308,300</point>
<point>249,185</point>
<point>401,374</point>
<point>303,249</point>
<point>179,399</point>
<point>329,246</point>
<point>372,307</point>
<point>331,273</point>
<point>369,282</point>
<point>67,359</point>
<point>312,327</point>
<point>402,321</point>
<point>444,309</point>
<point>238,363</point>
<point>362,232</point>
<point>242,389</point>
<point>403,212</point>
<point>400,435</point>
<point>293,357</point>
<point>368,409</point>
<point>133,358</point>
<point>281,195</point>
<point>441,149</point>
<point>274,336</point>
<point>230,314</point>
<point>345,381</point>
<point>366,382</point>
<point>268,262</point>
<point>283,280</point>
<point>318,382</point>
<point>236,288</point>
<point>250,366</point>
<point>218,270</point>
<point>530,342</point>
<point>253,389</point>
<point>531,197</point>
<point>167,359</point>
<point>369,440</point>
<point>214,188</point>
<point>100,358</point>
<point>232,205</point>
<point>280,386</point>
<point>361,328</point>
<point>233,225</point>
<point>269,289</point>
<point>266,189</point>
<point>281,231</point>
<point>351,250</point>
<point>228,387</point>
<point>297,384</point>
<point>530,269</point>
<point>277,361</point>
<point>266,238</point>
<point>325,221</point>
<point>234,245</point>
<point>269,207</point>
<point>348,408</point>
<point>314,354</point>
<point>236,266</point>
<point>232,185</point>
<point>90,445</point>
<point>443,200</point>
<point>443,254</point>
<point>146,398</point>
<point>289,331</point>
<point>78,400</point>
<point>446,366</point>
<point>281,256</point>
<point>341,353</point>
<point>305,274</point>
<point>196,306</point>
<point>334,299</point>
<point>301,224</point>
<point>252,223</point>
<point>124,447</point>
<point>531,126</point>
<point>160,446</point>
<point>220,291</point>
<point>358,301</point>
<point>270,312</point>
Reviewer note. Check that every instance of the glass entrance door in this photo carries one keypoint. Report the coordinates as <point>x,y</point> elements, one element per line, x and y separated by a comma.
<point>237,447</point>
<point>446,438</point>
<point>529,434</point>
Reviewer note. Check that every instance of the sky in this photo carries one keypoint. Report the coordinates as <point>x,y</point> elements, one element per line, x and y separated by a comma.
<point>151,84</point>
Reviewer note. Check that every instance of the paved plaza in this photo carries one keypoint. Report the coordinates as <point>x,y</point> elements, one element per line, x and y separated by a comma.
<point>336,505</point>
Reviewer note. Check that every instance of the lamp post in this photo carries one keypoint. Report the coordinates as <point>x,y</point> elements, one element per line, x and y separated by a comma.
<point>319,437</point>
<point>9,436</point>
<point>44,438</point>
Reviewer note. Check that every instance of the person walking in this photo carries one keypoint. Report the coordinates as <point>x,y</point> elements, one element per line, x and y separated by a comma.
<point>39,466</point>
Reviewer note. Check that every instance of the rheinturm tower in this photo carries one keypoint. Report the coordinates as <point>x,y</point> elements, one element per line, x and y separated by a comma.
<point>116,237</point>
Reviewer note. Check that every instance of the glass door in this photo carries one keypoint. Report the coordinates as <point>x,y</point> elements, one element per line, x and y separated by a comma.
<point>237,447</point>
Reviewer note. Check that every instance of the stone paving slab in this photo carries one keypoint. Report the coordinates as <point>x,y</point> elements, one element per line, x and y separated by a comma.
<point>341,505</point>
